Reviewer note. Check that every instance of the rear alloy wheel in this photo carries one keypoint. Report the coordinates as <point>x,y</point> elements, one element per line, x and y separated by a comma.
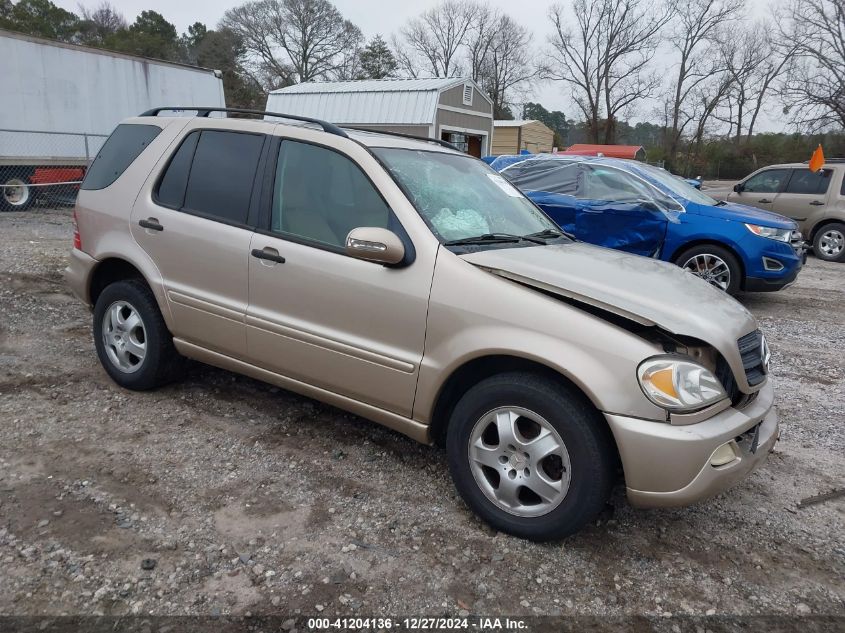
<point>132,340</point>
<point>714,264</point>
<point>15,194</point>
<point>124,336</point>
<point>829,243</point>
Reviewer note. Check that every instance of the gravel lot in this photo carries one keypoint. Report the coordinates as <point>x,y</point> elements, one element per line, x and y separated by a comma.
<point>249,499</point>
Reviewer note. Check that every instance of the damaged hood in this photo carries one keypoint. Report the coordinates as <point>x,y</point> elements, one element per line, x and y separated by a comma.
<point>647,291</point>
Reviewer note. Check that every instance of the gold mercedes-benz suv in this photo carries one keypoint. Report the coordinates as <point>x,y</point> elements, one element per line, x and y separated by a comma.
<point>408,283</point>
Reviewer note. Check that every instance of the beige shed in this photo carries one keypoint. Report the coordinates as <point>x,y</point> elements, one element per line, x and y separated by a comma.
<point>511,137</point>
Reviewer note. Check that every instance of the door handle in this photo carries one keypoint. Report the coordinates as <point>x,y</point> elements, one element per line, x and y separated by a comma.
<point>817,203</point>
<point>152,224</point>
<point>268,253</point>
<point>764,201</point>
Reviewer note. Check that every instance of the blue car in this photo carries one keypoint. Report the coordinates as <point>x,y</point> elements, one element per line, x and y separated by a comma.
<point>638,208</point>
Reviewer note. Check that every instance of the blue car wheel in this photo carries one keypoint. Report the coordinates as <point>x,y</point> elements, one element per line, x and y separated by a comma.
<point>713,263</point>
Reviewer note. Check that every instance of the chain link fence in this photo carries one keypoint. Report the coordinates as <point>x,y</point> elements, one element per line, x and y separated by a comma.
<point>43,167</point>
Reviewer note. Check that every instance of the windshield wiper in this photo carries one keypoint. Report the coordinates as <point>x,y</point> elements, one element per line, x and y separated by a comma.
<point>720,203</point>
<point>549,233</point>
<point>486,238</point>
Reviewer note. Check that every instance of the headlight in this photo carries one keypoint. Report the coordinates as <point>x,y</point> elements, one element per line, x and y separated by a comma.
<point>679,385</point>
<point>781,235</point>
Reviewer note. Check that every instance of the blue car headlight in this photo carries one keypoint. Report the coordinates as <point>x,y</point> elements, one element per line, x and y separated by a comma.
<point>781,235</point>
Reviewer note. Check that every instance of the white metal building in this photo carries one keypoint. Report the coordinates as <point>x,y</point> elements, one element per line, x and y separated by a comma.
<point>455,109</point>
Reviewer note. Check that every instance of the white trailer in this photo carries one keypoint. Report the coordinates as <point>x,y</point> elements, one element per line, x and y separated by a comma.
<point>59,102</point>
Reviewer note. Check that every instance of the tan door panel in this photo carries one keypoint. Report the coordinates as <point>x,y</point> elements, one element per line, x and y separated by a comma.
<point>353,327</point>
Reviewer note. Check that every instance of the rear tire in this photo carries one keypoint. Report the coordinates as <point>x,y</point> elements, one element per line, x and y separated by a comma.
<point>15,193</point>
<point>713,263</point>
<point>829,242</point>
<point>563,450</point>
<point>131,338</point>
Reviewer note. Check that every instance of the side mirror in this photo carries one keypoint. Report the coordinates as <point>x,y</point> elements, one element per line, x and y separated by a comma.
<point>375,245</point>
<point>738,187</point>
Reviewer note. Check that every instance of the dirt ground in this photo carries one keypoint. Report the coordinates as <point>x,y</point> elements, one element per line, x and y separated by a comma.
<point>224,495</point>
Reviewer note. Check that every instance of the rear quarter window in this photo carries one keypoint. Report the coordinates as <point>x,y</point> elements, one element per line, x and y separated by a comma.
<point>808,182</point>
<point>118,152</point>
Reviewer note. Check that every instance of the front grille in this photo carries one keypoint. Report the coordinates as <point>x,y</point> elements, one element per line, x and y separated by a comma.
<point>752,354</point>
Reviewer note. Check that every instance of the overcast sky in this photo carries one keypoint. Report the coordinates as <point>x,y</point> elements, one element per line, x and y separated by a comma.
<point>386,17</point>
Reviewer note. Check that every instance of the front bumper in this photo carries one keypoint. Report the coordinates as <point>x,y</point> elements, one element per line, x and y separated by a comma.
<point>770,264</point>
<point>668,465</point>
<point>759,284</point>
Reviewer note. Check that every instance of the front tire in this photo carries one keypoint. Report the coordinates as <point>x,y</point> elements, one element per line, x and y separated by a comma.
<point>829,242</point>
<point>530,456</point>
<point>131,338</point>
<point>713,263</point>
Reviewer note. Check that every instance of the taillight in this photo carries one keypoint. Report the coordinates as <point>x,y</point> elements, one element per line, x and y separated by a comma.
<point>77,238</point>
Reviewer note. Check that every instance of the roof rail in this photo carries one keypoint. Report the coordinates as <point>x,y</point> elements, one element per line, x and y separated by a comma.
<point>830,160</point>
<point>427,139</point>
<point>331,128</point>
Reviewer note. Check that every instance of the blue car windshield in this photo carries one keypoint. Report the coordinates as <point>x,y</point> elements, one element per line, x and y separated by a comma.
<point>675,185</point>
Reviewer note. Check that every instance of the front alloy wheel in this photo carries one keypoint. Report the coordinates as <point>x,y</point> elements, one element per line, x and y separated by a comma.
<point>519,461</point>
<point>530,455</point>
<point>710,268</point>
<point>715,264</point>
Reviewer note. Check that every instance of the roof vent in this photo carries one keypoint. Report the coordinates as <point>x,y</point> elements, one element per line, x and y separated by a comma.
<point>467,94</point>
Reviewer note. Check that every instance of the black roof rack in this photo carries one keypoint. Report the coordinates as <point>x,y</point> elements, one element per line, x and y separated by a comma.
<point>830,160</point>
<point>427,139</point>
<point>331,128</point>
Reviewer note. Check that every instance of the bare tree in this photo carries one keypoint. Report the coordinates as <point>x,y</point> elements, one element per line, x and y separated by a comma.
<point>508,64</point>
<point>694,38</point>
<point>432,43</point>
<point>293,41</point>
<point>605,59</point>
<point>99,23</point>
<point>708,97</point>
<point>778,56</point>
<point>755,60</point>
<point>406,60</point>
<point>815,85</point>
<point>479,39</point>
<point>743,54</point>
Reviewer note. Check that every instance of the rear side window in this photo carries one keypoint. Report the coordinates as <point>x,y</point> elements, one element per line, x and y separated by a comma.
<point>171,188</point>
<point>805,181</point>
<point>118,152</point>
<point>212,174</point>
<point>553,176</point>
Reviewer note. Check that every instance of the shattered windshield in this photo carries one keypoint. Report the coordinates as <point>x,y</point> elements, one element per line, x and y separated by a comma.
<point>462,198</point>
